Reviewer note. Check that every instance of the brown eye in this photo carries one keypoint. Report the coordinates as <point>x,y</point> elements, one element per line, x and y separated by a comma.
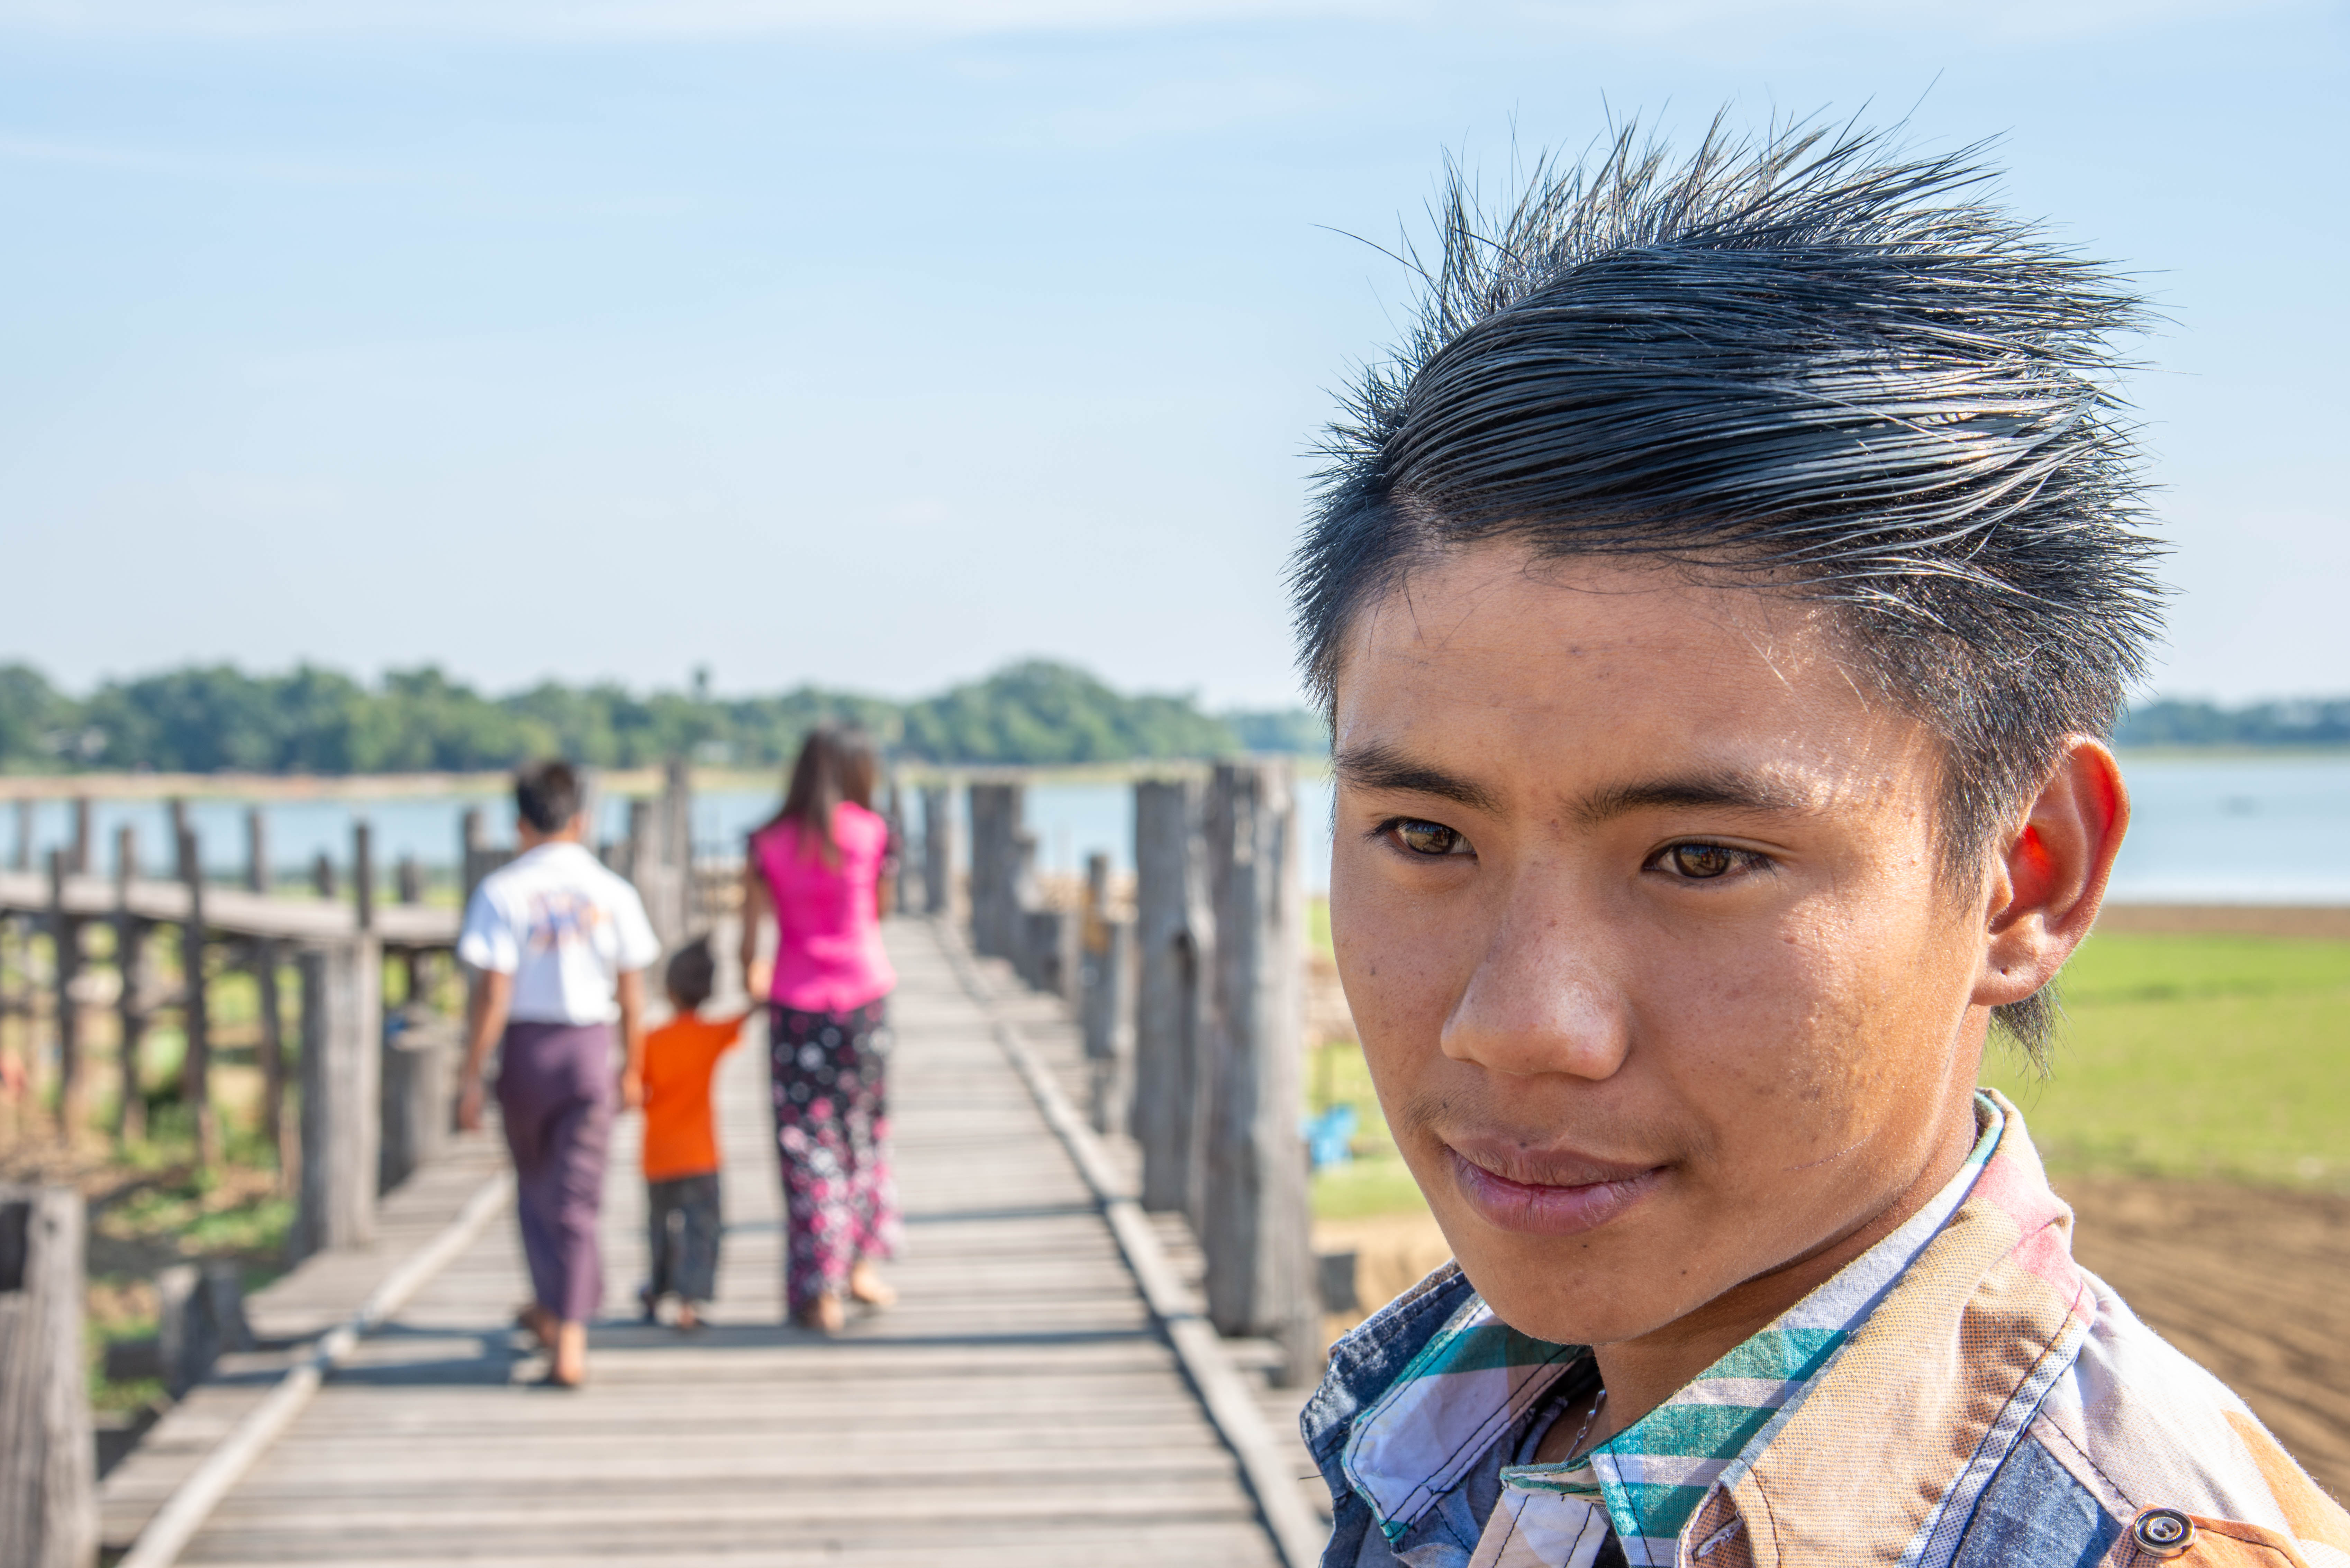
<point>1701,861</point>
<point>1429,838</point>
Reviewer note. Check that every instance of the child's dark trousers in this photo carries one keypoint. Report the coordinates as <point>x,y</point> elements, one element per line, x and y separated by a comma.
<point>683,1243</point>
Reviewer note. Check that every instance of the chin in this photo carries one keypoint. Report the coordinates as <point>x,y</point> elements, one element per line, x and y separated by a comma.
<point>1566,1293</point>
<point>1575,1320</point>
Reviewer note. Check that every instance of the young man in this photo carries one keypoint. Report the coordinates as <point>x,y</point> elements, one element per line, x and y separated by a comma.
<point>1719,610</point>
<point>561,945</point>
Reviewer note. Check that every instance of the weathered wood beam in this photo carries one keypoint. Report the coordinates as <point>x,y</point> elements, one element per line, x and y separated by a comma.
<point>65,937</point>
<point>269,954</point>
<point>48,1481</point>
<point>995,812</point>
<point>1257,1235</point>
<point>1105,950</point>
<point>363,874</point>
<point>342,1064</point>
<point>195,1067</point>
<point>938,850</point>
<point>258,877</point>
<point>131,1010</point>
<point>1175,941</point>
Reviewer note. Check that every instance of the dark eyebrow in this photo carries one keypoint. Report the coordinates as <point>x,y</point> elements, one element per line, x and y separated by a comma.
<point>1381,767</point>
<point>1735,792</point>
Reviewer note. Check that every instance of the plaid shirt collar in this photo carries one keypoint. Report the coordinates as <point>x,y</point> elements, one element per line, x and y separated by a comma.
<point>1480,1384</point>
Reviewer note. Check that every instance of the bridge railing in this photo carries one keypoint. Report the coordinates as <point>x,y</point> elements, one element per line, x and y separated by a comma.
<point>1192,1005</point>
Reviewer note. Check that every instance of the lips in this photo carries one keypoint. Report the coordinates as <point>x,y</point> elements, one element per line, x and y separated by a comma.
<point>1548,1194</point>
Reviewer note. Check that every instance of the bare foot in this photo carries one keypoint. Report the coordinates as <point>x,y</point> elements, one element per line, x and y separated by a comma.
<point>867,1286</point>
<point>824,1314</point>
<point>687,1320</point>
<point>571,1365</point>
<point>541,1324</point>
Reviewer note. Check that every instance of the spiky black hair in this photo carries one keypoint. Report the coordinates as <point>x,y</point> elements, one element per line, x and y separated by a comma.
<point>1807,358</point>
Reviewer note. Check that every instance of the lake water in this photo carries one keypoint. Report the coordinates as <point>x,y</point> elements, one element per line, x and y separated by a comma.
<point>2255,830</point>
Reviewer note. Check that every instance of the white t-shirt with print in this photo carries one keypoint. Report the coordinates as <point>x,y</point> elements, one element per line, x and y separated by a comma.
<point>565,926</point>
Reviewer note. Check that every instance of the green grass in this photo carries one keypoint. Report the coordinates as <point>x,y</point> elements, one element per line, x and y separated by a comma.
<point>204,1216</point>
<point>2197,1056</point>
<point>2192,1056</point>
<point>1381,1184</point>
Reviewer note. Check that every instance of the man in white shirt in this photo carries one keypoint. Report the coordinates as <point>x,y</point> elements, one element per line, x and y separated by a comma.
<point>561,945</point>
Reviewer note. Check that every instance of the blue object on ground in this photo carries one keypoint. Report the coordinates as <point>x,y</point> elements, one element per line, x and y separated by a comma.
<point>1330,1136</point>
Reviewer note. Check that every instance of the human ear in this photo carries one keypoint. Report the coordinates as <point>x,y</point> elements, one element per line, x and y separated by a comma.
<point>2049,880</point>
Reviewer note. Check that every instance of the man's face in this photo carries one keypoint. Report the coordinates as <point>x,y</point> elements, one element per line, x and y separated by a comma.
<point>1635,900</point>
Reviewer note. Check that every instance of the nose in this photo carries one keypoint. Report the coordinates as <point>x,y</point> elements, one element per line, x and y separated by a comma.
<point>1544,997</point>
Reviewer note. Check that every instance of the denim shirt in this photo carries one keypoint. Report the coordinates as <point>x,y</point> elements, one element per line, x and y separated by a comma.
<point>1990,1402</point>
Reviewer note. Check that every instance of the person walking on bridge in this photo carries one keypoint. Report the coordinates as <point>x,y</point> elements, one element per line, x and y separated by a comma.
<point>561,945</point>
<point>819,868</point>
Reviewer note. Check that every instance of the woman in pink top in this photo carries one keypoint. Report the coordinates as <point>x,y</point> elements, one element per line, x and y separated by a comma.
<point>820,869</point>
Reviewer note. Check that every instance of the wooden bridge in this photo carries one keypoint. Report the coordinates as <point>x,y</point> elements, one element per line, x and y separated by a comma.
<point>1045,1392</point>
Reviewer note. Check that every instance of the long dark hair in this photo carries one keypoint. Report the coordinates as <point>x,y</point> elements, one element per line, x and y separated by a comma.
<point>834,765</point>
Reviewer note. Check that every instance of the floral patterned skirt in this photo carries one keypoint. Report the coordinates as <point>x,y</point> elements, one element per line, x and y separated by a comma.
<point>829,1072</point>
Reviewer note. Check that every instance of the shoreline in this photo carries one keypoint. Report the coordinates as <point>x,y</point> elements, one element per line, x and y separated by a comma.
<point>644,781</point>
<point>2321,922</point>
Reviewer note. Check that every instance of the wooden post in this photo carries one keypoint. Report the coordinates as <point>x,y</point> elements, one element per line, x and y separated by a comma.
<point>1257,1239</point>
<point>677,812</point>
<point>469,844</point>
<point>677,853</point>
<point>1047,951</point>
<point>938,850</point>
<point>1035,931</point>
<point>195,1068</point>
<point>657,880</point>
<point>79,864</point>
<point>1104,944</point>
<point>904,851</point>
<point>49,1455</point>
<point>268,956</point>
<point>64,935</point>
<point>419,1084</point>
<point>640,853</point>
<point>476,857</point>
<point>363,874</point>
<point>995,812</point>
<point>1175,941</point>
<point>322,876</point>
<point>408,887</point>
<point>256,850</point>
<point>201,1314</point>
<point>130,1004</point>
<point>342,1032</point>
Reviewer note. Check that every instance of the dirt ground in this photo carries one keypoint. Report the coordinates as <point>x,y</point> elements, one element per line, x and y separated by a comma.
<point>2253,1284</point>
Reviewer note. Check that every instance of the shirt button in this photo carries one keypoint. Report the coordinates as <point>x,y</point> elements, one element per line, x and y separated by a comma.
<point>2163,1532</point>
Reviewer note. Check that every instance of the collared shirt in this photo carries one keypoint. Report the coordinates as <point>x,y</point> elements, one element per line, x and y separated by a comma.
<point>1961,1394</point>
<point>1478,1378</point>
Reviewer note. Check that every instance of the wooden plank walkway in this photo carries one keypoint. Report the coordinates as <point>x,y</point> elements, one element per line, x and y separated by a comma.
<point>1018,1406</point>
<point>234,910</point>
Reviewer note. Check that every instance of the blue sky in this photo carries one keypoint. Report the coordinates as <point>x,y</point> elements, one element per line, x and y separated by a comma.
<point>877,342</point>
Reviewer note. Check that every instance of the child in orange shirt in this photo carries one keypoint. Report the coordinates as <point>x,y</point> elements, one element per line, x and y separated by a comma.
<point>680,1146</point>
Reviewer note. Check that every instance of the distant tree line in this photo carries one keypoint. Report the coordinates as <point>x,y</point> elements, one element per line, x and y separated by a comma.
<point>217,718</point>
<point>2304,723</point>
